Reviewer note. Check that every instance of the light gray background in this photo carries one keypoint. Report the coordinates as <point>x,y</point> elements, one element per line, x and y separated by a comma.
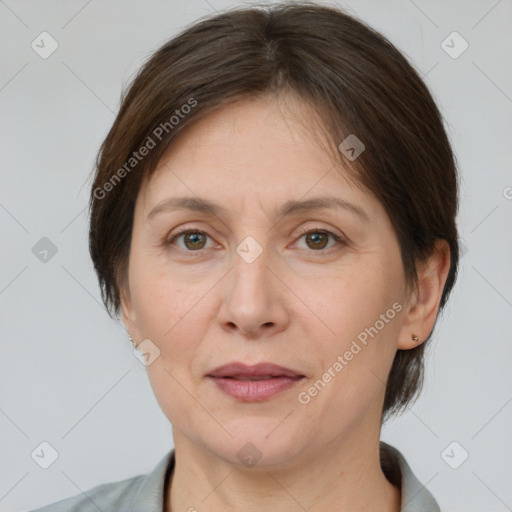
<point>67,372</point>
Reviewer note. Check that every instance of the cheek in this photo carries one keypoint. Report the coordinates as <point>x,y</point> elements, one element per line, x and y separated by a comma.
<point>166,308</point>
<point>354,298</point>
<point>159,299</point>
<point>172,315</point>
<point>362,310</point>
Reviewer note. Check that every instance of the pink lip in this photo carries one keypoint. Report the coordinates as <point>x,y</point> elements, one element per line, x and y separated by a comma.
<point>281,380</point>
<point>258,370</point>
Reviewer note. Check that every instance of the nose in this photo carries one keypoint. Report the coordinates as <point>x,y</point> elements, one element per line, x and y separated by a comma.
<point>254,299</point>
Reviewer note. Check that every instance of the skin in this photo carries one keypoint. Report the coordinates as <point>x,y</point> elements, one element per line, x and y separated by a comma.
<point>300,304</point>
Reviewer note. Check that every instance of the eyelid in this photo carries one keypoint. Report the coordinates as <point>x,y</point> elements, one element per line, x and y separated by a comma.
<point>321,229</point>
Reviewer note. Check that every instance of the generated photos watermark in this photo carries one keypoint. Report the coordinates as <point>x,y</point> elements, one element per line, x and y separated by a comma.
<point>144,150</point>
<point>304,397</point>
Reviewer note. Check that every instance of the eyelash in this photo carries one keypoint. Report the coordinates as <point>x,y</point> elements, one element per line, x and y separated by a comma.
<point>338,239</point>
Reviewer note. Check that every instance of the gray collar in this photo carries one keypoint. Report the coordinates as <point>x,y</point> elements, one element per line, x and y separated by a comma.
<point>415,496</point>
<point>149,496</point>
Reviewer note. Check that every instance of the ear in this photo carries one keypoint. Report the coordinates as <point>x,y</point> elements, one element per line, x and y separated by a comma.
<point>424,302</point>
<point>128,313</point>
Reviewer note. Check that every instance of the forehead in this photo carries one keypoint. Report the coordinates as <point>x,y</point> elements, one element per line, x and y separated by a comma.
<point>270,125</point>
<point>263,149</point>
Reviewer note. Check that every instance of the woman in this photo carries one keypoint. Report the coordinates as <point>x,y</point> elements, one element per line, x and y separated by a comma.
<point>270,217</point>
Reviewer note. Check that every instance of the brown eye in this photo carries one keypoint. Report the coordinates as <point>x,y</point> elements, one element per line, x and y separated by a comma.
<point>193,240</point>
<point>318,239</point>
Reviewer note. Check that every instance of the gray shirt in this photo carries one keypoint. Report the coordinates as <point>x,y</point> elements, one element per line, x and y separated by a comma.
<point>145,493</point>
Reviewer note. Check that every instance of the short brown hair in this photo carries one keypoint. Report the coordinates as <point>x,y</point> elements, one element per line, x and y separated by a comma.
<point>358,83</point>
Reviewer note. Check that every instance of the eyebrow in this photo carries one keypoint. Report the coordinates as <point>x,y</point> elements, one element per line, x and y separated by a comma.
<point>288,209</point>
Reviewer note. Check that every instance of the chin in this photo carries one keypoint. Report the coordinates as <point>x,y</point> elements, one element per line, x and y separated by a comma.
<point>253,444</point>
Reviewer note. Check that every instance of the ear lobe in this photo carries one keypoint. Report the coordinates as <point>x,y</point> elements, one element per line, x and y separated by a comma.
<point>425,300</point>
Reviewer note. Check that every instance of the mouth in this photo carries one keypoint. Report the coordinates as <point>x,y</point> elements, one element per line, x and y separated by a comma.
<point>263,377</point>
<point>255,383</point>
<point>260,371</point>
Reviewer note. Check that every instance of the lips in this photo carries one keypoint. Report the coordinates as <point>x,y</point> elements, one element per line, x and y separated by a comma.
<point>261,371</point>
<point>255,383</point>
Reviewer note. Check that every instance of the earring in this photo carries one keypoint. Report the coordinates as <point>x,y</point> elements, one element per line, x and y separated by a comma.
<point>415,338</point>
<point>131,341</point>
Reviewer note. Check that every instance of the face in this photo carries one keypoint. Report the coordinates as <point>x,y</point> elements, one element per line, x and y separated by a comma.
<point>317,289</point>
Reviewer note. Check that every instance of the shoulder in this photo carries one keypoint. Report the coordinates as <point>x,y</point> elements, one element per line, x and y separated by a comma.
<point>141,493</point>
<point>107,497</point>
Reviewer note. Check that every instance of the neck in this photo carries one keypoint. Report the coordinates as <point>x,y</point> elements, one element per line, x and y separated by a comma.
<point>346,476</point>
